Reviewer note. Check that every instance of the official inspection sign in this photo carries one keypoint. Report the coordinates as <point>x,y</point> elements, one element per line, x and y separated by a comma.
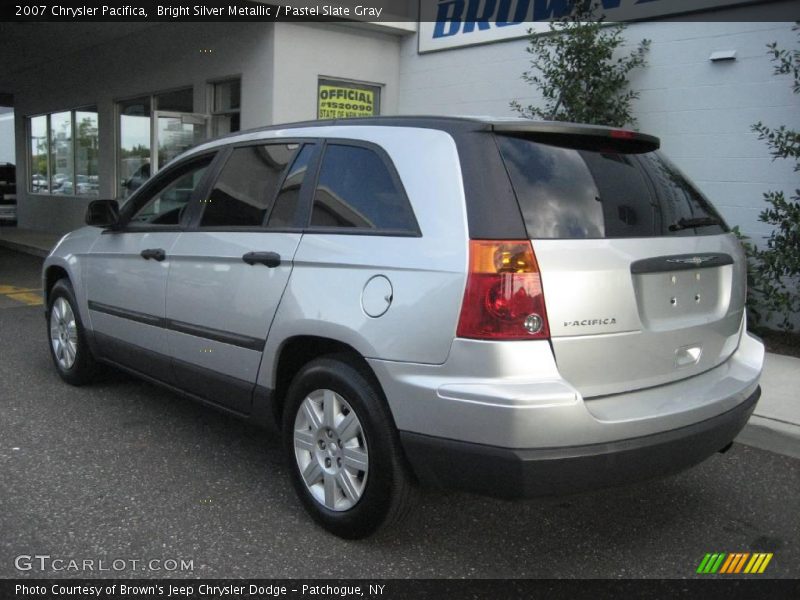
<point>341,99</point>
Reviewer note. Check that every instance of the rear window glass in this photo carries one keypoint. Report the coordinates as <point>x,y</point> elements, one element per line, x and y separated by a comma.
<point>569,193</point>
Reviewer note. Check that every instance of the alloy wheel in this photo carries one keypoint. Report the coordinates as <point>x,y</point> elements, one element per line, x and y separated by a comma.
<point>331,450</point>
<point>63,333</point>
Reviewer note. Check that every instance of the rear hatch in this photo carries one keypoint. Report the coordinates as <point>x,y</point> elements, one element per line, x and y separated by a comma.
<point>643,283</point>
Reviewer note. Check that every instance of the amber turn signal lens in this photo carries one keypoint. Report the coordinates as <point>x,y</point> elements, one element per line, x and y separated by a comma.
<point>503,299</point>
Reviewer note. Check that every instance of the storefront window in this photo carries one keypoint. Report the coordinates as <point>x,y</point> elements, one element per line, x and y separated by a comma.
<point>134,144</point>
<point>173,131</point>
<point>227,106</point>
<point>63,158</point>
<point>61,174</point>
<point>38,146</point>
<point>86,147</point>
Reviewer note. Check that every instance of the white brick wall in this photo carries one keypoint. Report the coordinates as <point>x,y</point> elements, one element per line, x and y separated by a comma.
<point>702,111</point>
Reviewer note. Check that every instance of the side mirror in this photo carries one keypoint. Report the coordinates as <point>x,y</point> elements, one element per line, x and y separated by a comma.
<point>102,213</point>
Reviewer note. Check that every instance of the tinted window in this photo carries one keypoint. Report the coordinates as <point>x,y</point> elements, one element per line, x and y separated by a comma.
<point>678,198</point>
<point>164,203</point>
<point>284,213</point>
<point>568,193</point>
<point>356,189</point>
<point>246,186</point>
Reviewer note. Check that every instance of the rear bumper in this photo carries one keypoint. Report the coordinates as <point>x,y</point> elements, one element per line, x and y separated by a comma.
<point>511,395</point>
<point>519,473</point>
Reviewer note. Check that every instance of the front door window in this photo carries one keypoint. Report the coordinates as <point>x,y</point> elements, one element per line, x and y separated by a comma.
<point>165,203</point>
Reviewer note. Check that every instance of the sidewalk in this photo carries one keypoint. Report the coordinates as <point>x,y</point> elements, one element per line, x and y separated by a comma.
<point>775,424</point>
<point>38,243</point>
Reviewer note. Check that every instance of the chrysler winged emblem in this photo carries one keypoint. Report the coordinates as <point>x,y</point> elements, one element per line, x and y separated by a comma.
<point>694,260</point>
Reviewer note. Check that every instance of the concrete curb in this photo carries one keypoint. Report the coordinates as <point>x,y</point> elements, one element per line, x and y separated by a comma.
<point>24,248</point>
<point>770,434</point>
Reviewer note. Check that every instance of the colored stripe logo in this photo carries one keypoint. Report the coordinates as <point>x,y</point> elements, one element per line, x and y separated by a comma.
<point>734,563</point>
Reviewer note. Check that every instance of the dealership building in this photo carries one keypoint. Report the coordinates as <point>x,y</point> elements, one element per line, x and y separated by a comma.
<point>99,107</point>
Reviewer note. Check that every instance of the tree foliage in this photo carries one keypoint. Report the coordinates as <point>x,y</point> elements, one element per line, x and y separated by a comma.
<point>775,276</point>
<point>579,71</point>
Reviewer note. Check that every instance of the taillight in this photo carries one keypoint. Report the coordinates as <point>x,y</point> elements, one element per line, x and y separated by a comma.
<point>504,298</point>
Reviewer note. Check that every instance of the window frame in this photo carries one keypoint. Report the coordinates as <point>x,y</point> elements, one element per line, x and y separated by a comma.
<point>73,162</point>
<point>29,158</point>
<point>153,185</point>
<point>395,177</point>
<point>195,208</point>
<point>211,99</point>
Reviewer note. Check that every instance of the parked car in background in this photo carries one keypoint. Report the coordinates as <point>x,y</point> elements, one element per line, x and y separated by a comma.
<point>8,194</point>
<point>135,181</point>
<point>83,188</point>
<point>509,307</point>
<point>38,182</point>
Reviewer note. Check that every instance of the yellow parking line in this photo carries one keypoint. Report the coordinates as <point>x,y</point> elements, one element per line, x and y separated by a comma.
<point>12,289</point>
<point>32,298</point>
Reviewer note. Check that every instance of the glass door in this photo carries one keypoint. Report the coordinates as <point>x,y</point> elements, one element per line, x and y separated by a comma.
<point>175,132</point>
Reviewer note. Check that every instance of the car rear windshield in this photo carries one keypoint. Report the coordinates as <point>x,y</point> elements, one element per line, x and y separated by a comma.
<point>574,193</point>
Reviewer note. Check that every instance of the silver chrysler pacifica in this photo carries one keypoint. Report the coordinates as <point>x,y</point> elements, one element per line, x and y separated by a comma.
<point>509,307</point>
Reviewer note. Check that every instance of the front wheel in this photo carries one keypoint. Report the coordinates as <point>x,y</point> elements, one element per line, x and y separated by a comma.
<point>345,458</point>
<point>68,347</point>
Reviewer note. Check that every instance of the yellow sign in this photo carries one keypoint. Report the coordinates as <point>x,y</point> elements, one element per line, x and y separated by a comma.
<point>337,102</point>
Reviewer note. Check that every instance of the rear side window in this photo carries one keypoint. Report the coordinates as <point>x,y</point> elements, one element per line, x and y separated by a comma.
<point>356,189</point>
<point>569,193</point>
<point>246,186</point>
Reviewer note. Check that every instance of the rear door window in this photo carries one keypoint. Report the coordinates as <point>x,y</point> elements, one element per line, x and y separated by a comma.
<point>246,187</point>
<point>577,193</point>
<point>357,190</point>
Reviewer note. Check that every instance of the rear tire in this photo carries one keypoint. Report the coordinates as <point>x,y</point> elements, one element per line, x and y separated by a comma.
<point>345,458</point>
<point>69,349</point>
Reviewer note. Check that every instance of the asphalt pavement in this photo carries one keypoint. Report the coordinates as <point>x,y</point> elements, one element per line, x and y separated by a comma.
<point>124,470</point>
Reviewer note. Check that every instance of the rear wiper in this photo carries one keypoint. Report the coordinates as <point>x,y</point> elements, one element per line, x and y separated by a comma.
<point>694,222</point>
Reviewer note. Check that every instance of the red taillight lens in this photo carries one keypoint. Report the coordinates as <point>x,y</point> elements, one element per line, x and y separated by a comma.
<point>504,298</point>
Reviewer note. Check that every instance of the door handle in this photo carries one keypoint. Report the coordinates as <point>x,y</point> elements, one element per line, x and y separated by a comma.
<point>154,253</point>
<point>270,259</point>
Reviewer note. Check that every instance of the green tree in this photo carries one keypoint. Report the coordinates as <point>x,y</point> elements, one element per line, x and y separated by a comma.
<point>579,72</point>
<point>88,143</point>
<point>775,275</point>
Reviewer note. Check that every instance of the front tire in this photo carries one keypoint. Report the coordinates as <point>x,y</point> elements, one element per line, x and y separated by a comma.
<point>346,462</point>
<point>68,346</point>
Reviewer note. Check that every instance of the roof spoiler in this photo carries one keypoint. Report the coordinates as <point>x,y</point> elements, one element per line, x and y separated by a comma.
<point>581,137</point>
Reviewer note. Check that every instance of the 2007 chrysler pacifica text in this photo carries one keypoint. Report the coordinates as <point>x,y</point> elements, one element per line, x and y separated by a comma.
<point>509,307</point>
